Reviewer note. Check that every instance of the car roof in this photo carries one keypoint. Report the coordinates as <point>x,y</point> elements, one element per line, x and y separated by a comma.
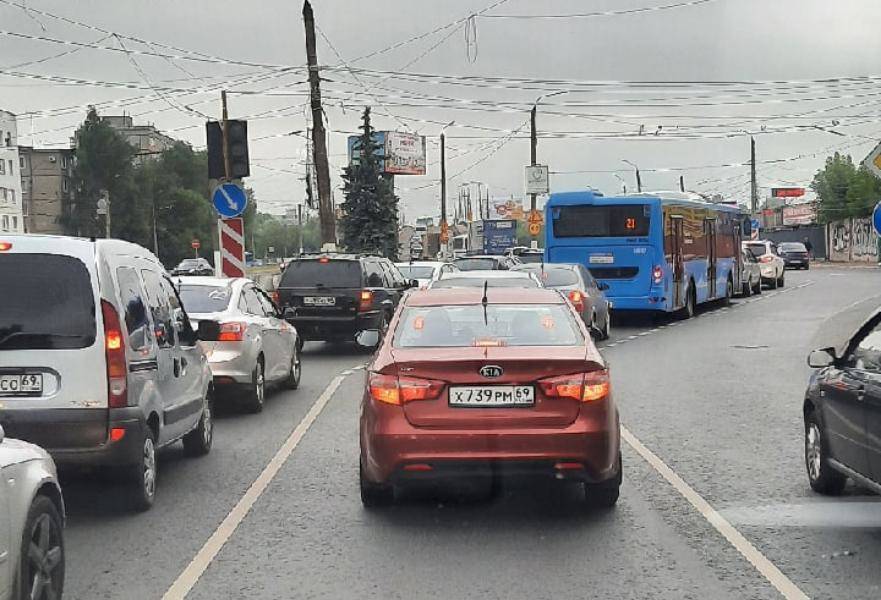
<point>485,274</point>
<point>544,267</point>
<point>421,263</point>
<point>469,296</point>
<point>492,256</point>
<point>211,281</point>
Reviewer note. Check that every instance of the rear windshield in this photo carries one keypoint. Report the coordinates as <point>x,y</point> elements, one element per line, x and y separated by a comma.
<point>205,298</point>
<point>552,277</point>
<point>792,247</point>
<point>499,325</point>
<point>416,272</point>
<point>625,220</point>
<point>476,264</point>
<point>47,303</point>
<point>534,257</point>
<point>316,273</point>
<point>493,282</point>
<point>190,263</point>
<point>757,249</point>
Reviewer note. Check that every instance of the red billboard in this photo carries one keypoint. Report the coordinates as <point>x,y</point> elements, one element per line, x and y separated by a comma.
<point>787,192</point>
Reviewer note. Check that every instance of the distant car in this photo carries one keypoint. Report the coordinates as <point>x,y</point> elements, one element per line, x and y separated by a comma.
<point>193,266</point>
<point>255,346</point>
<point>772,267</point>
<point>795,255</point>
<point>486,262</point>
<point>485,386</point>
<point>582,290</point>
<point>527,255</point>
<point>751,276</point>
<point>31,523</point>
<point>333,297</point>
<point>493,279</point>
<point>425,271</point>
<point>842,404</point>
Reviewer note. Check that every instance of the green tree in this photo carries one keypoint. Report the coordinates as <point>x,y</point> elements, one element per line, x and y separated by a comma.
<point>863,193</point>
<point>831,185</point>
<point>370,210</point>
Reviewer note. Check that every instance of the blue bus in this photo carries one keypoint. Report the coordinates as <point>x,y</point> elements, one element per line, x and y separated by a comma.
<point>664,251</point>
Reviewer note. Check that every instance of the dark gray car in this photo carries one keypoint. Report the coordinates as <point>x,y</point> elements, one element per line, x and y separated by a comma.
<point>582,290</point>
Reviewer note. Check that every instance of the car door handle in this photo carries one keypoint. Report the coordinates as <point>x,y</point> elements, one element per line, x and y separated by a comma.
<point>183,365</point>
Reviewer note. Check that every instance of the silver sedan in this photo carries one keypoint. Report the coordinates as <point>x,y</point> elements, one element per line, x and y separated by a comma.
<point>31,523</point>
<point>255,346</point>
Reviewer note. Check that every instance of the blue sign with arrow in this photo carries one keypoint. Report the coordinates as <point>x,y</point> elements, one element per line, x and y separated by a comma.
<point>876,218</point>
<point>229,200</point>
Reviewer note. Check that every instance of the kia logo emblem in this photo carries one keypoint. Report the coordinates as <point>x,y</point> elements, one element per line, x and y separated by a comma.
<point>491,371</point>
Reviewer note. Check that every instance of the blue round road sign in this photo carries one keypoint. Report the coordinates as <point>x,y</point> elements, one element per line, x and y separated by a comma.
<point>876,218</point>
<point>229,200</point>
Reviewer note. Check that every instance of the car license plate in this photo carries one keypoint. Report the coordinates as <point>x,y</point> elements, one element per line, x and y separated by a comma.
<point>31,384</point>
<point>319,300</point>
<point>492,395</point>
<point>601,259</point>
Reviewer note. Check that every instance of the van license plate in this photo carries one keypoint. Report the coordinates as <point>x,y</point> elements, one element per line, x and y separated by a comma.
<point>492,395</point>
<point>319,300</point>
<point>21,384</point>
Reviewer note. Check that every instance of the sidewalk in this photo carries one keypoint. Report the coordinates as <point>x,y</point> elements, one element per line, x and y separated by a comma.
<point>822,264</point>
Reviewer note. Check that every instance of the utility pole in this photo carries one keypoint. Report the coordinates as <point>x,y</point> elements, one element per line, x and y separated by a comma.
<point>682,183</point>
<point>300,228</point>
<point>319,138</point>
<point>533,148</point>
<point>753,187</point>
<point>443,161</point>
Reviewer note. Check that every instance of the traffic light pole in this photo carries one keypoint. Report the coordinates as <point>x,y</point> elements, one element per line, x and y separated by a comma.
<point>319,140</point>
<point>533,149</point>
<point>225,129</point>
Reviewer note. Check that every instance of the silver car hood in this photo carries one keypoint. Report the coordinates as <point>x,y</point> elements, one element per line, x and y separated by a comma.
<point>836,331</point>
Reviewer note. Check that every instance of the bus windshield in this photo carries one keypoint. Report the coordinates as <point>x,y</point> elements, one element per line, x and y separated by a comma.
<point>617,220</point>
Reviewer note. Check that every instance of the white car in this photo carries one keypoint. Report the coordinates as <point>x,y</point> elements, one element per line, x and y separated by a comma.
<point>490,278</point>
<point>771,265</point>
<point>255,345</point>
<point>31,523</point>
<point>425,271</point>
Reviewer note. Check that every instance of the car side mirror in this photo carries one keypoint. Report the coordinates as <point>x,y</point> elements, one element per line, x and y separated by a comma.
<point>288,313</point>
<point>602,286</point>
<point>413,283</point>
<point>822,357</point>
<point>208,331</point>
<point>367,338</point>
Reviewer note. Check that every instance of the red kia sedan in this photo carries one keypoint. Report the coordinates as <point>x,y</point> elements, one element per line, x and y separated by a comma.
<point>488,382</point>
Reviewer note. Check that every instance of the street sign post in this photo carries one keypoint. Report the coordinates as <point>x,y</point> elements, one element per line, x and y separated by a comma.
<point>229,200</point>
<point>534,228</point>
<point>876,218</point>
<point>537,179</point>
<point>232,247</point>
<point>873,161</point>
<point>535,222</point>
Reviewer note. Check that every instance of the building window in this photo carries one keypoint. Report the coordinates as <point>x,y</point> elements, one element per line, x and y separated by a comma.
<point>14,223</point>
<point>65,184</point>
<point>3,195</point>
<point>21,161</point>
<point>2,167</point>
<point>63,162</point>
<point>12,196</point>
<point>5,222</point>
<point>10,166</point>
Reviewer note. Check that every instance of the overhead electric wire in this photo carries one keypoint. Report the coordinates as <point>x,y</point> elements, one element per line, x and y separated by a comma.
<point>604,13</point>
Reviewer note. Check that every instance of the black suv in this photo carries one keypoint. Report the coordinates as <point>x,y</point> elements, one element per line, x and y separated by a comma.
<point>332,297</point>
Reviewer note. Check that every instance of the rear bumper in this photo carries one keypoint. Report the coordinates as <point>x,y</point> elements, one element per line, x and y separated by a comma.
<point>651,302</point>
<point>231,365</point>
<point>325,328</point>
<point>391,448</point>
<point>80,436</point>
<point>796,262</point>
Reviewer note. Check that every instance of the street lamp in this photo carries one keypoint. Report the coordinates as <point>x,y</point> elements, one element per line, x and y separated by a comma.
<point>638,179</point>
<point>623,183</point>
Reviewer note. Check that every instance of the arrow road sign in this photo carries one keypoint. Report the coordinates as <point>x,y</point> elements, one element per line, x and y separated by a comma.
<point>229,200</point>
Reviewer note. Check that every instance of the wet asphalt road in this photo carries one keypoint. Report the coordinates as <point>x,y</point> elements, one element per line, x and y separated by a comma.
<point>717,398</point>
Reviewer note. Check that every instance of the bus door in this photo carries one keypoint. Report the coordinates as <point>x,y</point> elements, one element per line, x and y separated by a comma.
<point>710,236</point>
<point>677,229</point>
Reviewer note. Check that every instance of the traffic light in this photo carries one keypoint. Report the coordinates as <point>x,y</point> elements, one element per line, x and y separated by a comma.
<point>237,149</point>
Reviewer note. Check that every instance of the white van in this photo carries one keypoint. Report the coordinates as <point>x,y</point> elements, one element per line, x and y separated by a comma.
<point>98,361</point>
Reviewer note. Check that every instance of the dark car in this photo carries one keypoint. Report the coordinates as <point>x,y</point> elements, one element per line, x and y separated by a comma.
<point>332,297</point>
<point>527,255</point>
<point>585,293</point>
<point>795,255</point>
<point>193,266</point>
<point>457,390</point>
<point>842,407</point>
<point>485,262</point>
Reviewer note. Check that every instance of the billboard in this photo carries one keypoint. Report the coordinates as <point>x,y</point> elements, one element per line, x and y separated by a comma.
<point>787,192</point>
<point>399,153</point>
<point>499,235</point>
<point>803,214</point>
<point>507,209</point>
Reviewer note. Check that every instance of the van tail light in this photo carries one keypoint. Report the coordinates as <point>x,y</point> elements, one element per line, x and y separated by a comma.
<point>766,259</point>
<point>584,387</point>
<point>231,332</point>
<point>114,351</point>
<point>276,298</point>
<point>400,390</point>
<point>657,274</point>
<point>365,301</point>
<point>577,299</point>
<point>5,246</point>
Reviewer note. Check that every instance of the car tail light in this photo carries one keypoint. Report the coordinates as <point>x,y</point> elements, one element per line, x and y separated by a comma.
<point>276,298</point>
<point>365,300</point>
<point>766,258</point>
<point>231,332</point>
<point>577,299</point>
<point>585,387</point>
<point>5,246</point>
<point>400,390</point>
<point>114,351</point>
<point>657,274</point>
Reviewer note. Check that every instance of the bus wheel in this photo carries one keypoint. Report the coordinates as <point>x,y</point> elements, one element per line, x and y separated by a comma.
<point>687,311</point>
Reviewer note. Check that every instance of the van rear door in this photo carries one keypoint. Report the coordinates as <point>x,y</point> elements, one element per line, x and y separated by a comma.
<point>51,349</point>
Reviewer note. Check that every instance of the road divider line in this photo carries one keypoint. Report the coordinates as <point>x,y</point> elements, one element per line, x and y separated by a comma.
<point>203,558</point>
<point>765,567</point>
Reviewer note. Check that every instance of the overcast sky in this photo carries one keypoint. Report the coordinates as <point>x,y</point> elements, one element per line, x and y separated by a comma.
<point>702,125</point>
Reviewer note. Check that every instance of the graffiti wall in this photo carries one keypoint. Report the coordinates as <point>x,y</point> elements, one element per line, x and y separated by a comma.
<point>852,240</point>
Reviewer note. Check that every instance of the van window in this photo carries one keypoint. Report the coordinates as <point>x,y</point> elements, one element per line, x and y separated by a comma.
<point>48,303</point>
<point>137,323</point>
<point>311,272</point>
<point>157,300</point>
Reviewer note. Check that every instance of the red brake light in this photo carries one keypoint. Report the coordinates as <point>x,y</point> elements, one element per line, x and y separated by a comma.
<point>577,299</point>
<point>4,246</point>
<point>584,387</point>
<point>231,332</point>
<point>324,260</point>
<point>766,258</point>
<point>398,390</point>
<point>365,300</point>
<point>657,274</point>
<point>114,351</point>
<point>276,298</point>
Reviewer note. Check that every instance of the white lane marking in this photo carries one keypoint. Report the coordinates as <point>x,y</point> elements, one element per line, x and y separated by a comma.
<point>631,337</point>
<point>191,574</point>
<point>641,333</point>
<point>758,560</point>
